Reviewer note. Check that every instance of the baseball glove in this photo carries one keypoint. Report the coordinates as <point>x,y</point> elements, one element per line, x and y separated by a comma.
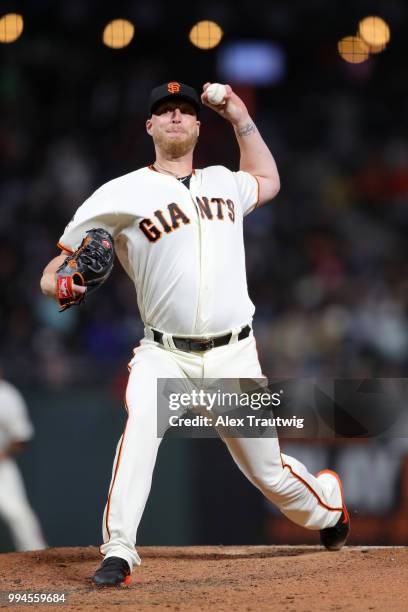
<point>89,266</point>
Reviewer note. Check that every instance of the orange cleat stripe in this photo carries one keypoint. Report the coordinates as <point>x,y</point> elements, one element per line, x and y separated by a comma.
<point>127,580</point>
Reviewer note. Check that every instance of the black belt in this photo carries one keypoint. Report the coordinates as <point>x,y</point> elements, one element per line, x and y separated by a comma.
<point>191,345</point>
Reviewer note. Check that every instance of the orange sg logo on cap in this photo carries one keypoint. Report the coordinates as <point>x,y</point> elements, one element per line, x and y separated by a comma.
<point>173,87</point>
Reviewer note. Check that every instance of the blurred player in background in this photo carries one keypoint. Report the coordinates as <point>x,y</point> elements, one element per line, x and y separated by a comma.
<point>16,430</point>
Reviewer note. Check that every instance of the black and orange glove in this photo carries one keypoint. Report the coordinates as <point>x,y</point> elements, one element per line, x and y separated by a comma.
<point>89,267</point>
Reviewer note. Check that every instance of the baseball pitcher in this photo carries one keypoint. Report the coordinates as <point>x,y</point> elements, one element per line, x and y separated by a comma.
<point>178,232</point>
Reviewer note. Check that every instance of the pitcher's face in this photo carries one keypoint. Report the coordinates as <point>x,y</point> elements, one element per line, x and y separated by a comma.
<point>174,127</point>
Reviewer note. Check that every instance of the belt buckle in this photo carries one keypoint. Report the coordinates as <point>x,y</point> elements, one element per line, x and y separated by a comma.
<point>207,344</point>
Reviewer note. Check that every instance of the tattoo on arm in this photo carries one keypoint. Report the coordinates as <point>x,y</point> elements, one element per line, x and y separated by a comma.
<point>248,129</point>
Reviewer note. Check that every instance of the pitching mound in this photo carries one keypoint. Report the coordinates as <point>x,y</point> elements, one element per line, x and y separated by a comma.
<point>303,578</point>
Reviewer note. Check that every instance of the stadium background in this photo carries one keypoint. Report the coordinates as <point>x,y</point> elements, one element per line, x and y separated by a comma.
<point>326,260</point>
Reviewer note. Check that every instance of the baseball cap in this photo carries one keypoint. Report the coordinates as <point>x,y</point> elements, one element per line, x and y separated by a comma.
<point>173,90</point>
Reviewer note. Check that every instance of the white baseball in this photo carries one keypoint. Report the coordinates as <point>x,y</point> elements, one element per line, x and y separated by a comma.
<point>216,93</point>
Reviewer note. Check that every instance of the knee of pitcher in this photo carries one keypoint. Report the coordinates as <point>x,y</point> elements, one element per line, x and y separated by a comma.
<point>267,485</point>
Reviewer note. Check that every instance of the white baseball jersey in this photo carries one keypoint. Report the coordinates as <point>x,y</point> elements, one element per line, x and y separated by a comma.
<point>15,425</point>
<point>183,248</point>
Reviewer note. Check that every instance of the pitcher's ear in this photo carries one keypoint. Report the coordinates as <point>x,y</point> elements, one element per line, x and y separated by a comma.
<point>149,126</point>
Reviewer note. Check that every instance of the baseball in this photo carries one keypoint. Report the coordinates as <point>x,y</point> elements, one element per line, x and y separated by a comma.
<point>216,93</point>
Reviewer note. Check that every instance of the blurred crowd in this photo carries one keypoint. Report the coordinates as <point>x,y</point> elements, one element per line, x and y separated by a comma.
<point>326,260</point>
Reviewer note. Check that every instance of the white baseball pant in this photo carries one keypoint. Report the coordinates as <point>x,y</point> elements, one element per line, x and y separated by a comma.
<point>16,510</point>
<point>314,503</point>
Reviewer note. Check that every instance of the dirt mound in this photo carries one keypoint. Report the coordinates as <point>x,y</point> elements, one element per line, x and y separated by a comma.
<point>298,579</point>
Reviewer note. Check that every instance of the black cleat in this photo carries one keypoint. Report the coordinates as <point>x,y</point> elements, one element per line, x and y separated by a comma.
<point>114,571</point>
<point>334,538</point>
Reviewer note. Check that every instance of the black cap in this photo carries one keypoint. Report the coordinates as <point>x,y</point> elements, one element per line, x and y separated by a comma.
<point>171,91</point>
